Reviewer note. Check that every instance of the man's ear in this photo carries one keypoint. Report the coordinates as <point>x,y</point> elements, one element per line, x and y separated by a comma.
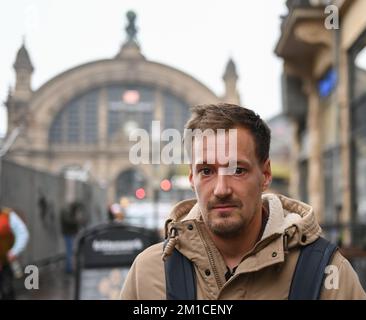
<point>267,174</point>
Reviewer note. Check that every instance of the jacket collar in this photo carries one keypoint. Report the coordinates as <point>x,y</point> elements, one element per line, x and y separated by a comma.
<point>289,220</point>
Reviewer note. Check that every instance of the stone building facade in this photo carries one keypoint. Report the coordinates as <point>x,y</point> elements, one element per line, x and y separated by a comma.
<point>81,119</point>
<point>323,46</point>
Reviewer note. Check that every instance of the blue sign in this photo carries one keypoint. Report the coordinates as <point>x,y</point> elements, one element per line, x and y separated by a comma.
<point>327,83</point>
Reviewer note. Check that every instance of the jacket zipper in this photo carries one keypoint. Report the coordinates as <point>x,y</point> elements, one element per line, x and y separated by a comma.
<point>210,258</point>
<point>227,283</point>
<point>285,242</point>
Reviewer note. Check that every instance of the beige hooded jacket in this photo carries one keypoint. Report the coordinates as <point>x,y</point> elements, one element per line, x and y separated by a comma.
<point>264,273</point>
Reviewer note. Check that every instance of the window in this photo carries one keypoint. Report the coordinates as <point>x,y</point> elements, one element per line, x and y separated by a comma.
<point>56,131</point>
<point>129,103</point>
<point>358,126</point>
<point>360,74</point>
<point>303,187</point>
<point>332,185</point>
<point>176,112</point>
<point>360,170</point>
<point>77,123</point>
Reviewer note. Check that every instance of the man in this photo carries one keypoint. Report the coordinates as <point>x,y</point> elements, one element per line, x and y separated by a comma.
<point>14,237</point>
<point>116,213</point>
<point>72,219</point>
<point>243,244</point>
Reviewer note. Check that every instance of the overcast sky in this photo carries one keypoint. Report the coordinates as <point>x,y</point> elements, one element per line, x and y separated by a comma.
<point>197,37</point>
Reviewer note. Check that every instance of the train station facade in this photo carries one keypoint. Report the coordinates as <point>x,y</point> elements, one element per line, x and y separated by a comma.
<point>81,119</point>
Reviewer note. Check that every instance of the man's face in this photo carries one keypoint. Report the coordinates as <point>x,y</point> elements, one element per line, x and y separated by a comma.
<point>229,202</point>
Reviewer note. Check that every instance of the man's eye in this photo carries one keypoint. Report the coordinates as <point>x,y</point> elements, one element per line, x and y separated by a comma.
<point>206,171</point>
<point>240,170</point>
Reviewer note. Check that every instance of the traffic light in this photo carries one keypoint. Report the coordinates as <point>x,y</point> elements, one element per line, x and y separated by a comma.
<point>166,185</point>
<point>140,193</point>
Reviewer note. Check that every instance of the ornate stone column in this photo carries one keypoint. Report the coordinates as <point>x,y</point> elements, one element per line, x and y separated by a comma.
<point>315,177</point>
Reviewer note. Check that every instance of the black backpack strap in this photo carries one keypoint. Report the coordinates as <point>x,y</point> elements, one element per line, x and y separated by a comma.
<point>180,277</point>
<point>309,274</point>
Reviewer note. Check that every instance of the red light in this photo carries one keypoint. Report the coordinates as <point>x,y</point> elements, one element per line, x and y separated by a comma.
<point>131,97</point>
<point>140,193</point>
<point>165,185</point>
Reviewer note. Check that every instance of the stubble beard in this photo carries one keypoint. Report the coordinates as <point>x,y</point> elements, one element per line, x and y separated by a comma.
<point>223,225</point>
<point>225,229</point>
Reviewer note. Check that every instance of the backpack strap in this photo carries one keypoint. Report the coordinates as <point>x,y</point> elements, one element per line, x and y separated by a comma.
<point>306,283</point>
<point>309,274</point>
<point>180,277</point>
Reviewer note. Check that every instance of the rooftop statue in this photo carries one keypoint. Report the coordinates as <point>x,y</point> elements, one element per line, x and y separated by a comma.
<point>131,27</point>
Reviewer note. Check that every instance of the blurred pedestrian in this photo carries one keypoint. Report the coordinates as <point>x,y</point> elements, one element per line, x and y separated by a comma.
<point>116,213</point>
<point>72,219</point>
<point>14,237</point>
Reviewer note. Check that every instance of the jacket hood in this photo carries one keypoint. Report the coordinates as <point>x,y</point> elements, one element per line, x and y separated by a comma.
<point>292,218</point>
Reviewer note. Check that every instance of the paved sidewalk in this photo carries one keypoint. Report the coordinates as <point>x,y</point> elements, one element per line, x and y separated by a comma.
<point>54,284</point>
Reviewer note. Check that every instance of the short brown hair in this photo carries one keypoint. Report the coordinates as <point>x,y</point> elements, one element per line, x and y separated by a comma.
<point>228,116</point>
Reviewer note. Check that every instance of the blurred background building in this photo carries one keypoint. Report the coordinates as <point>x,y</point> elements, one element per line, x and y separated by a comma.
<point>70,137</point>
<point>82,118</point>
<point>68,141</point>
<point>280,153</point>
<point>324,96</point>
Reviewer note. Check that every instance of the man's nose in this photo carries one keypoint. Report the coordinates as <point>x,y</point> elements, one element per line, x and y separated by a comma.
<point>222,187</point>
